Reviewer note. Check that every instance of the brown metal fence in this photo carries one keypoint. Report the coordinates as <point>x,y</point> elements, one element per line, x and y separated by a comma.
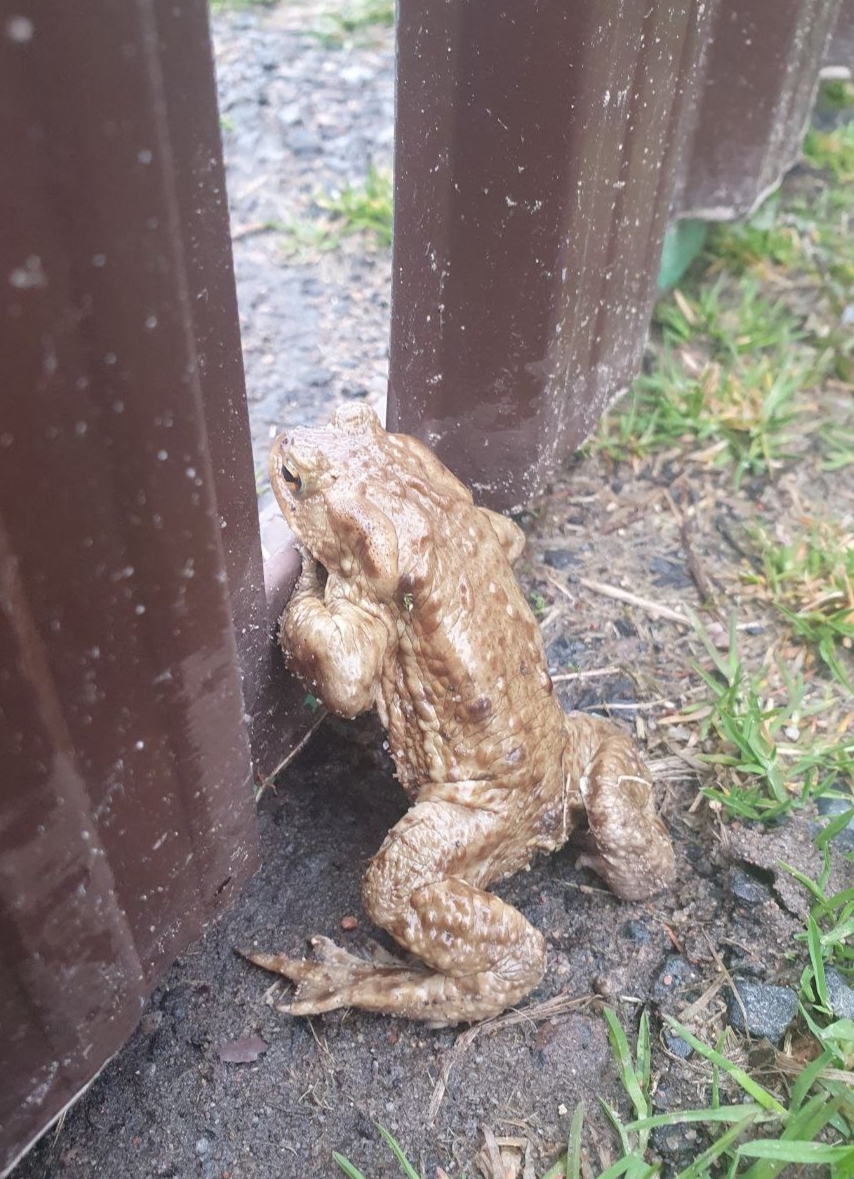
<point>541,151</point>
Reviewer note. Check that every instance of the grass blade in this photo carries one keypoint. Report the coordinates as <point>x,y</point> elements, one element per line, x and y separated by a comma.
<point>807,1078</point>
<point>831,829</point>
<point>573,1150</point>
<point>699,1168</point>
<point>622,1054</point>
<point>396,1149</point>
<point>630,1166</point>
<point>614,1118</point>
<point>724,1113</point>
<point>767,1100</point>
<point>809,885</point>
<point>794,1152</point>
<point>351,1171</point>
<point>817,960</point>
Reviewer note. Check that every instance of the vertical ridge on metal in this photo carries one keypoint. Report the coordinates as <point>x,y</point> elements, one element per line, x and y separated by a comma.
<point>128,534</point>
<point>535,162</point>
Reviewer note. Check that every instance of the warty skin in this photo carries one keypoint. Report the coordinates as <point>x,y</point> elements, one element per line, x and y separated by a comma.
<point>407,603</point>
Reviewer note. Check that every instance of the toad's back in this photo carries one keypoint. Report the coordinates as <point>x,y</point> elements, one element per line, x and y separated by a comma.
<point>466,693</point>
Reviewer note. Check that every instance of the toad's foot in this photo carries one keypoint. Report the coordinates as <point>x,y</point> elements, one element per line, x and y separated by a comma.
<point>633,851</point>
<point>480,955</point>
<point>336,979</point>
<point>341,979</point>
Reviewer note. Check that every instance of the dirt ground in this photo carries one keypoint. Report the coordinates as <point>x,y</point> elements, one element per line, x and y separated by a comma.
<point>167,1106</point>
<point>670,531</point>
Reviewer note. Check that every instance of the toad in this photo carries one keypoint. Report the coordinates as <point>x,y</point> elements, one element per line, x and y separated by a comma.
<point>407,603</point>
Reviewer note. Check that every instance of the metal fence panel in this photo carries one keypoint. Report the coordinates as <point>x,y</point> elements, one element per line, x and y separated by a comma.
<point>760,81</point>
<point>536,150</point>
<point>839,54</point>
<point>540,152</point>
<point>128,535</point>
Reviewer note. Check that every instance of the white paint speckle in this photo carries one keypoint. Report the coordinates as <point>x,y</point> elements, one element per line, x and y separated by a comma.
<point>145,155</point>
<point>29,276</point>
<point>19,29</point>
<point>163,455</point>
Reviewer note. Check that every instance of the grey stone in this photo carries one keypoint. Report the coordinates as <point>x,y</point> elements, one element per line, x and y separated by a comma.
<point>840,994</point>
<point>675,976</point>
<point>768,1010</point>
<point>289,115</point>
<point>746,888</point>
<point>680,1141</point>
<point>355,75</point>
<point>560,558</point>
<point>635,931</point>
<point>677,1045</point>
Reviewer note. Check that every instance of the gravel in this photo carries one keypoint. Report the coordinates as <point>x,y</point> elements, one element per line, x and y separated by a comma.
<point>300,118</point>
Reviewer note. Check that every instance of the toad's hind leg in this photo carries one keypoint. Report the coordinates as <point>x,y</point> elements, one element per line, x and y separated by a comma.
<point>633,851</point>
<point>480,955</point>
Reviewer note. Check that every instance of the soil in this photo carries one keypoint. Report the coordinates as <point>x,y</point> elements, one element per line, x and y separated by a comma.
<point>671,531</point>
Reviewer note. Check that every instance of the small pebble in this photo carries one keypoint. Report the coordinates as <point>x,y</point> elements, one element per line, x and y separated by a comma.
<point>746,888</point>
<point>635,931</point>
<point>768,1009</point>
<point>676,974</point>
<point>676,1045</point>
<point>841,995</point>
<point>560,558</point>
<point>349,922</point>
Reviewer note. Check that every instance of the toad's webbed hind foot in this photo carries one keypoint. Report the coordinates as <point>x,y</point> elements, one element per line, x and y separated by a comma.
<point>337,978</point>
<point>480,954</point>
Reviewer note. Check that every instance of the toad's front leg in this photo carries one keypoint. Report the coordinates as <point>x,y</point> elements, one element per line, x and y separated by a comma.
<point>480,955</point>
<point>335,649</point>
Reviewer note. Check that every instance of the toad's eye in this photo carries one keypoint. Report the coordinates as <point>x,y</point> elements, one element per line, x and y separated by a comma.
<point>293,481</point>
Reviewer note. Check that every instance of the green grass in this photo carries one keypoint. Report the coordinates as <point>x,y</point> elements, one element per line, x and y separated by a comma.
<point>362,208</point>
<point>354,22</point>
<point>365,207</point>
<point>765,241</point>
<point>760,773</point>
<point>237,5</point>
<point>832,151</point>
<point>810,582</point>
<point>731,367</point>
<point>759,324</point>
<point>740,417</point>
<point>756,1133</point>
